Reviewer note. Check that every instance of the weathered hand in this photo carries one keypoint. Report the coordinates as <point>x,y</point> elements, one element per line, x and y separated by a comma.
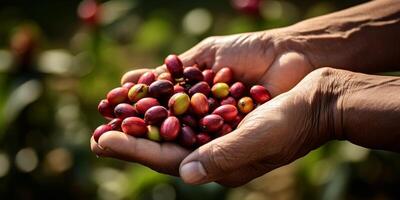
<point>326,104</point>
<point>256,58</point>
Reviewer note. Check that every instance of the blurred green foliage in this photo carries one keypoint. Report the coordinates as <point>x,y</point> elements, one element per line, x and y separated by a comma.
<point>54,69</point>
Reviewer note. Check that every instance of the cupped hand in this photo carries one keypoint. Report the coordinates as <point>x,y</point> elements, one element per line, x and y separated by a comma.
<point>273,135</point>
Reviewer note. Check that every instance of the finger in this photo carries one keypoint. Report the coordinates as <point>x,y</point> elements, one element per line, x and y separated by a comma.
<point>248,144</point>
<point>164,157</point>
<point>161,69</point>
<point>133,76</point>
<point>98,150</point>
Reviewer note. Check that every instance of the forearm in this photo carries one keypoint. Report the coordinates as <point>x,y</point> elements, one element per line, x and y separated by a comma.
<point>369,110</point>
<point>363,38</point>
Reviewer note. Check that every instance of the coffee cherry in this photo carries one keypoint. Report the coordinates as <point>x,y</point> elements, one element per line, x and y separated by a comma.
<point>137,92</point>
<point>124,110</point>
<point>178,89</point>
<point>199,104</point>
<point>186,86</point>
<point>228,112</point>
<point>237,90</point>
<point>189,120</point>
<point>147,78</point>
<point>190,101</point>
<point>193,74</point>
<point>228,101</point>
<point>153,133</point>
<point>224,75</point>
<point>220,90</point>
<point>200,87</point>
<point>117,95</point>
<point>260,94</point>
<point>211,123</point>
<point>245,105</point>
<point>226,128</point>
<point>134,126</point>
<point>212,104</point>
<point>165,76</point>
<point>100,130</point>
<point>202,139</point>
<point>208,76</point>
<point>234,123</point>
<point>179,103</point>
<point>144,104</point>
<point>187,137</point>
<point>170,128</point>
<point>128,85</point>
<point>174,66</point>
<point>155,115</point>
<point>106,109</point>
<point>161,88</point>
<point>116,124</point>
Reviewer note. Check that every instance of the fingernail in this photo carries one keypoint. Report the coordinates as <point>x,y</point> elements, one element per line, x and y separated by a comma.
<point>101,147</point>
<point>193,172</point>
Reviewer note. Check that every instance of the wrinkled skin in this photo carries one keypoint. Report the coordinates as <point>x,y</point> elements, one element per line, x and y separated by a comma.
<point>278,71</point>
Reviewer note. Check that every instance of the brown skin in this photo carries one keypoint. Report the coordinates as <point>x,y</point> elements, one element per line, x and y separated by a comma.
<point>326,104</point>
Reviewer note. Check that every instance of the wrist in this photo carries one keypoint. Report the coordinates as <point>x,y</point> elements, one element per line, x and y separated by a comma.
<point>324,89</point>
<point>322,44</point>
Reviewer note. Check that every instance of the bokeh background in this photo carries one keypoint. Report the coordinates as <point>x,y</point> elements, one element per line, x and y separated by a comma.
<point>59,58</point>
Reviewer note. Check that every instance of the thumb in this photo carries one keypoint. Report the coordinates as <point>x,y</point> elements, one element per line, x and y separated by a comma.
<point>226,154</point>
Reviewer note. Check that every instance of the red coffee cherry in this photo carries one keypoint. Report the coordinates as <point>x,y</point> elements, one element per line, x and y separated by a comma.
<point>146,103</point>
<point>174,66</point>
<point>200,87</point>
<point>134,126</point>
<point>187,137</point>
<point>199,104</point>
<point>117,95</point>
<point>116,124</point>
<point>147,78</point>
<point>124,110</point>
<point>260,94</point>
<point>209,76</point>
<point>228,101</point>
<point>100,131</point>
<point>237,90</point>
<point>106,109</point>
<point>224,75</point>
<point>211,123</point>
<point>193,74</point>
<point>170,128</point>
<point>155,115</point>
<point>226,128</point>
<point>202,139</point>
<point>228,112</point>
<point>161,88</point>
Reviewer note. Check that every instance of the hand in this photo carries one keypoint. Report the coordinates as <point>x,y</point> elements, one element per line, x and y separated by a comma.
<point>256,58</point>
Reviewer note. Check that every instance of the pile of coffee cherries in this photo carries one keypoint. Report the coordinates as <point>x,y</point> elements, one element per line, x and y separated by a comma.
<point>183,105</point>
